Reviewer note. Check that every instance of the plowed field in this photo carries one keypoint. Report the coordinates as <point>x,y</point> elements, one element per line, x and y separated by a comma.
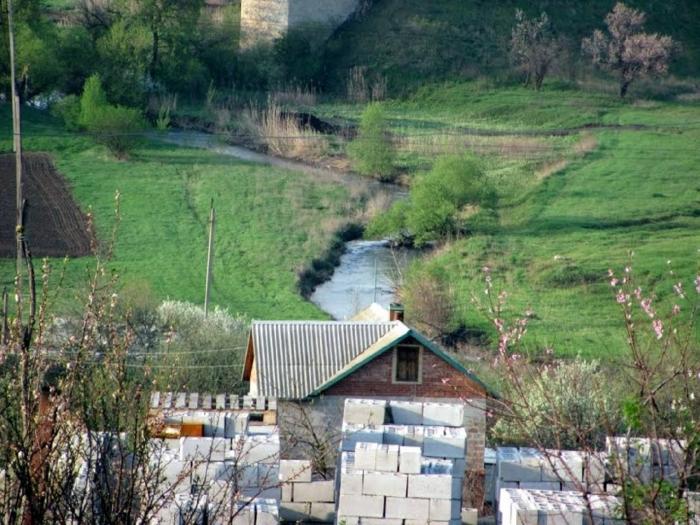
<point>55,225</point>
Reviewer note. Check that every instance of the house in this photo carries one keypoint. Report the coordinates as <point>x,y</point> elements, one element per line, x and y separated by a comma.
<point>311,367</point>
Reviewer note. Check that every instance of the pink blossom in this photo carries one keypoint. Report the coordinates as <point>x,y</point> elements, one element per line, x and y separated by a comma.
<point>628,269</point>
<point>678,288</point>
<point>676,309</point>
<point>697,284</point>
<point>499,323</point>
<point>486,269</point>
<point>613,282</point>
<point>646,306</point>
<point>658,327</point>
<point>638,293</point>
<point>610,272</point>
<point>621,298</point>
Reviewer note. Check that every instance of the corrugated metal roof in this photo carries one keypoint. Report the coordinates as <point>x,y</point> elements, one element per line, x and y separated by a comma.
<point>294,358</point>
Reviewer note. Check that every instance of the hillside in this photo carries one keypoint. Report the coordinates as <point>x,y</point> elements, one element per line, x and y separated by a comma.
<point>583,181</point>
<point>410,41</point>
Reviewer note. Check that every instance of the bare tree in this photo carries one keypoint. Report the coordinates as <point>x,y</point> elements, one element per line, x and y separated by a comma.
<point>654,385</point>
<point>533,47</point>
<point>626,50</point>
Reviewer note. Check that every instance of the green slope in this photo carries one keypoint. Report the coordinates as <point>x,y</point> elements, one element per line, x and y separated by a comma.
<point>270,222</point>
<point>411,41</point>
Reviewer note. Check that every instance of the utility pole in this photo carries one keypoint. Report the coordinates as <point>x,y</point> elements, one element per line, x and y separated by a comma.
<point>210,256</point>
<point>17,142</point>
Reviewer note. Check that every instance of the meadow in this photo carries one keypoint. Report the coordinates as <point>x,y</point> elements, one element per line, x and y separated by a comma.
<point>270,222</point>
<point>586,182</point>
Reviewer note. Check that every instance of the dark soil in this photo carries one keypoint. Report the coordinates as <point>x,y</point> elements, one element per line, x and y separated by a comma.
<point>54,224</point>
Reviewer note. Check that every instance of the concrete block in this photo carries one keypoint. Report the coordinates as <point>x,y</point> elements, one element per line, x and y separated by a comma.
<point>442,442</point>
<point>510,467</point>
<point>395,434</point>
<point>459,467</point>
<point>252,449</point>
<point>438,486</point>
<point>348,520</point>
<point>296,470</point>
<point>562,465</point>
<point>381,521</point>
<point>410,460</point>
<point>353,434</point>
<point>444,509</point>
<point>436,466</point>
<point>211,449</point>
<point>364,411</point>
<point>406,412</point>
<point>387,458</point>
<point>287,492</point>
<point>268,474</point>
<point>414,437</point>
<point>266,513</point>
<point>366,456</point>
<point>540,485</point>
<point>408,508</point>
<point>443,414</point>
<point>315,491</point>
<point>366,506</point>
<point>236,423</point>
<point>384,484</point>
<point>350,478</point>
<point>470,516</point>
<point>294,511</point>
<point>322,512</point>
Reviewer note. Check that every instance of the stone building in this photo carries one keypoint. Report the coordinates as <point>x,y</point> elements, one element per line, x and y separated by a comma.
<point>265,20</point>
<point>311,367</point>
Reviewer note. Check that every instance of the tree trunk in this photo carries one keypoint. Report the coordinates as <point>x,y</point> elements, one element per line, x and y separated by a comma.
<point>624,86</point>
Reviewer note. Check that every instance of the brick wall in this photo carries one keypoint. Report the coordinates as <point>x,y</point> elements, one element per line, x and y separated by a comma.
<point>439,380</point>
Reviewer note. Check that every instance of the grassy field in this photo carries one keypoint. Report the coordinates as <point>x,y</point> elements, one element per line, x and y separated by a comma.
<point>270,222</point>
<point>570,206</point>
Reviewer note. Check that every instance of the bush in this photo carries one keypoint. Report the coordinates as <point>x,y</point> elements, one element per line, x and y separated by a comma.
<point>68,110</point>
<point>576,391</point>
<point>114,126</point>
<point>438,197</point>
<point>372,152</point>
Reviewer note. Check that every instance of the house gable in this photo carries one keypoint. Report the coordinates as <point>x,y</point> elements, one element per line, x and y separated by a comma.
<point>373,374</point>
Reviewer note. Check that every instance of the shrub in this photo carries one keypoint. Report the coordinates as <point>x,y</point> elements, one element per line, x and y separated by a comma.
<point>372,152</point>
<point>68,110</point>
<point>114,126</point>
<point>438,196</point>
<point>576,391</point>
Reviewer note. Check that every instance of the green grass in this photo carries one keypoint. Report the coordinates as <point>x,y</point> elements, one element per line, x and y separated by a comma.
<point>636,189</point>
<point>410,41</point>
<point>270,222</point>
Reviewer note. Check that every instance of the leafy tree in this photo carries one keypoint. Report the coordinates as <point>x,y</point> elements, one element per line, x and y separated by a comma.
<point>438,197</point>
<point>113,126</point>
<point>533,47</point>
<point>625,50</point>
<point>372,152</point>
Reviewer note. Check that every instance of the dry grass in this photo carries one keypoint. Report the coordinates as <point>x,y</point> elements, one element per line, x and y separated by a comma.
<point>361,89</point>
<point>294,96</point>
<point>451,143</point>
<point>283,135</point>
<point>584,145</point>
<point>377,203</point>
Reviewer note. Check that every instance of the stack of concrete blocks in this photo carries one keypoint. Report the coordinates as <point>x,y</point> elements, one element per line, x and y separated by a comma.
<point>645,459</point>
<point>216,468</point>
<point>555,470</point>
<point>406,473</point>
<point>305,498</point>
<point>490,474</point>
<point>546,507</point>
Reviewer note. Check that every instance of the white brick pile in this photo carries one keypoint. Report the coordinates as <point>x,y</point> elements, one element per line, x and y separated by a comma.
<point>544,507</point>
<point>645,458</point>
<point>406,472</point>
<point>304,498</point>
<point>216,468</point>
<point>555,470</point>
<point>188,509</point>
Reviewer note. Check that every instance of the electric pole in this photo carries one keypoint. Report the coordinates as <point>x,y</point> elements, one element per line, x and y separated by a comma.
<point>210,256</point>
<point>16,141</point>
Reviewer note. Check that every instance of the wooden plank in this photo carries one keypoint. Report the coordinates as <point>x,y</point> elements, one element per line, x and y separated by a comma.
<point>155,399</point>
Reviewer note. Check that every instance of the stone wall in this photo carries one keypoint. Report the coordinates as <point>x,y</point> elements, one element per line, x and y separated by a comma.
<point>262,21</point>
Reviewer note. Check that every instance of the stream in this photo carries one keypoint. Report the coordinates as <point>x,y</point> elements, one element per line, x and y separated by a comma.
<point>367,271</point>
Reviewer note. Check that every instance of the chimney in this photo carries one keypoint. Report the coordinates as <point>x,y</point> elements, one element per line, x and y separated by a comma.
<point>396,312</point>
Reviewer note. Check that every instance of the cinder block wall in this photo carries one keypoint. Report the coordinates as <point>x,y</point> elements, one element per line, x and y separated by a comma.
<point>265,20</point>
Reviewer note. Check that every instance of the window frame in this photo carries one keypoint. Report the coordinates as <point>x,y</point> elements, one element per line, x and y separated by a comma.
<point>395,363</point>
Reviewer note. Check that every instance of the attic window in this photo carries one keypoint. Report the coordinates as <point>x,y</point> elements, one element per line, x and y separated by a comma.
<point>407,364</point>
